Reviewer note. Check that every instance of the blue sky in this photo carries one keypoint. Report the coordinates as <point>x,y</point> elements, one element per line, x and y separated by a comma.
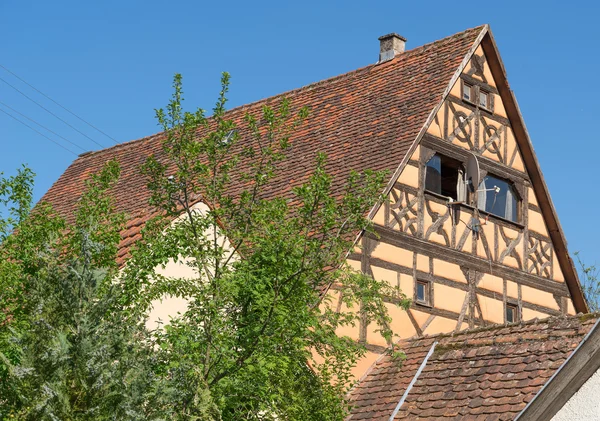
<point>112,62</point>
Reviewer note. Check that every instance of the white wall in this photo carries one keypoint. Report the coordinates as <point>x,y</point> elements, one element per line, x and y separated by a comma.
<point>584,405</point>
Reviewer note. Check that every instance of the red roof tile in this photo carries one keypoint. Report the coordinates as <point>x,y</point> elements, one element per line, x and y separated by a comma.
<point>481,374</point>
<point>365,119</point>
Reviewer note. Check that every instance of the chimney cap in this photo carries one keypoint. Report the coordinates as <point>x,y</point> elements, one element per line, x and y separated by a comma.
<point>391,35</point>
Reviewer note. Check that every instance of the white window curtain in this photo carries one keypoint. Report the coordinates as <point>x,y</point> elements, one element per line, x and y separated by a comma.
<point>461,188</point>
<point>508,210</point>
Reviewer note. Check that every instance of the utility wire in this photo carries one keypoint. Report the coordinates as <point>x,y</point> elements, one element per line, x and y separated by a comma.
<point>38,132</point>
<point>50,112</point>
<point>42,126</point>
<point>61,106</point>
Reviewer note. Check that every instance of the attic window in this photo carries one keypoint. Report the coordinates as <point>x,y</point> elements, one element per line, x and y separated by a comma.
<point>484,99</point>
<point>498,197</point>
<point>512,313</point>
<point>423,293</point>
<point>445,176</point>
<point>468,93</point>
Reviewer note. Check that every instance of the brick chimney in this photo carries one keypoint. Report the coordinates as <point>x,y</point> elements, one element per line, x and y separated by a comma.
<point>390,45</point>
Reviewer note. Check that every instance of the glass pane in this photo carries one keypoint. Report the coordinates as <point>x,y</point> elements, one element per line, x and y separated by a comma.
<point>420,291</point>
<point>510,314</point>
<point>467,92</point>
<point>497,197</point>
<point>433,175</point>
<point>483,98</point>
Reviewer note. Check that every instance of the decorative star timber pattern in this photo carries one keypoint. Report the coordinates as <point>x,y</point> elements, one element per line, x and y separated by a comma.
<point>482,374</point>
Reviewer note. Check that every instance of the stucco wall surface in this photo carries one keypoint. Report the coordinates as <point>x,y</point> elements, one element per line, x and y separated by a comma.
<point>584,405</point>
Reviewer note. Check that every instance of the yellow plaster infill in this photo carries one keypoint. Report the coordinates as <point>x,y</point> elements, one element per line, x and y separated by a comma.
<point>455,91</point>
<point>448,270</point>
<point>487,73</point>
<point>528,314</point>
<point>420,316</point>
<point>518,163</point>
<point>379,218</point>
<point>374,336</point>
<point>531,196</point>
<point>416,154</point>
<point>436,126</point>
<point>350,331</point>
<point>499,106</point>
<point>536,296</point>
<point>492,310</point>
<point>363,365</point>
<point>570,307</point>
<point>492,283</point>
<point>394,279</point>
<point>409,176</point>
<point>536,222</point>
<point>448,298</point>
<point>354,264</point>
<point>423,263</point>
<point>557,271</point>
<point>440,325</point>
<point>393,254</point>
<point>488,230</point>
<point>512,289</point>
<point>401,324</point>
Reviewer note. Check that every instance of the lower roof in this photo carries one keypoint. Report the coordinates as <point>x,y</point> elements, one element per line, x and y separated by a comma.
<point>481,374</point>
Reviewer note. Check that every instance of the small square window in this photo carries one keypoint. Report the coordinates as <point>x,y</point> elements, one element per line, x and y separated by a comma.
<point>423,293</point>
<point>467,92</point>
<point>512,313</point>
<point>484,99</point>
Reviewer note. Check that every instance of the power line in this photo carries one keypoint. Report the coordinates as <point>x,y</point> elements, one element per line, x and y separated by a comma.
<point>42,126</point>
<point>38,132</point>
<point>50,112</point>
<point>61,106</point>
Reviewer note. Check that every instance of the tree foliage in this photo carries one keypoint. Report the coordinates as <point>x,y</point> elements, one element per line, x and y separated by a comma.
<point>258,339</point>
<point>588,276</point>
<point>68,351</point>
<point>259,331</point>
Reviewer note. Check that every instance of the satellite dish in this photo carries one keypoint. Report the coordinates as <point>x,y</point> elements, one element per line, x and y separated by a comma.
<point>472,176</point>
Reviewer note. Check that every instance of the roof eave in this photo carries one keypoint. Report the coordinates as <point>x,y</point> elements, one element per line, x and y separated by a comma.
<point>583,362</point>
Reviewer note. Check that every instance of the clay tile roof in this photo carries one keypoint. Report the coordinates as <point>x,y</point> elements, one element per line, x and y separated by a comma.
<point>365,119</point>
<point>482,374</point>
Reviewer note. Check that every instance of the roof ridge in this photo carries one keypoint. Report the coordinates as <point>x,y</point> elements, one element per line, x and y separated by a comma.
<point>313,85</point>
<point>581,317</point>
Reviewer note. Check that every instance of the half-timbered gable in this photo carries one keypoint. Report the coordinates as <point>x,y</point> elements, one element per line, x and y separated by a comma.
<point>469,255</point>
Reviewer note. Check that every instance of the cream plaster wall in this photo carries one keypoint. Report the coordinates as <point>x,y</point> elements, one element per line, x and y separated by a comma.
<point>584,405</point>
<point>168,307</point>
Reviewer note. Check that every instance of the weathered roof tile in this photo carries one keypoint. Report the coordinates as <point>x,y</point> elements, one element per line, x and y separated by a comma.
<point>365,119</point>
<point>488,372</point>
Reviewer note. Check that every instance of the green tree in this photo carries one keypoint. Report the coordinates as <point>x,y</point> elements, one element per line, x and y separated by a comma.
<point>258,337</point>
<point>588,276</point>
<point>68,349</point>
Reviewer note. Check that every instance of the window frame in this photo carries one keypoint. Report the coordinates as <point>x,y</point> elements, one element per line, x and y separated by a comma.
<point>428,288</point>
<point>452,163</point>
<point>488,99</point>
<point>475,90</point>
<point>471,87</point>
<point>514,308</point>
<point>515,192</point>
